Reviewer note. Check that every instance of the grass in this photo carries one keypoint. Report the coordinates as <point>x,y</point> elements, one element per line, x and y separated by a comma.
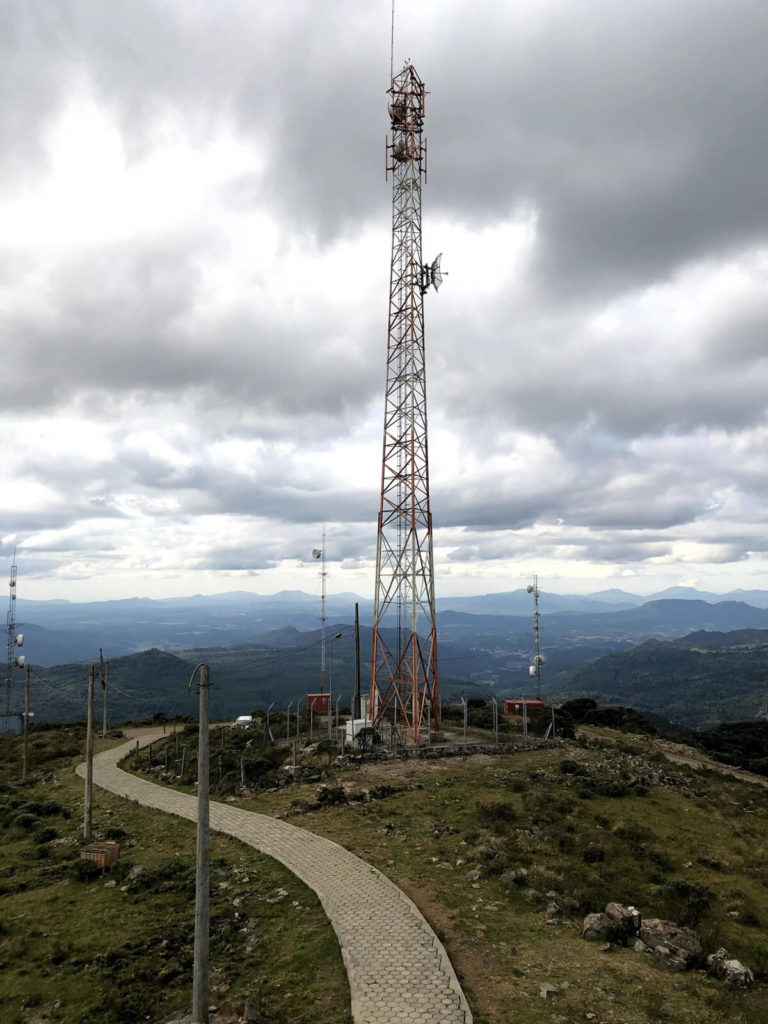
<point>77,947</point>
<point>587,824</point>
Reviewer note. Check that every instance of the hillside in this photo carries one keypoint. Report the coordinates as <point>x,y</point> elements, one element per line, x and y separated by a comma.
<point>696,682</point>
<point>505,877</point>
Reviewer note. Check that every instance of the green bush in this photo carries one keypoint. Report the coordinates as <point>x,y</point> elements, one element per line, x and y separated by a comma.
<point>686,902</point>
<point>662,860</point>
<point>635,836</point>
<point>496,813</point>
<point>593,854</point>
<point>85,870</point>
<point>46,834</point>
<point>24,820</point>
<point>115,833</point>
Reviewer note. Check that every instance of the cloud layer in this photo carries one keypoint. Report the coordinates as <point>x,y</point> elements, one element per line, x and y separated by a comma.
<point>193,292</point>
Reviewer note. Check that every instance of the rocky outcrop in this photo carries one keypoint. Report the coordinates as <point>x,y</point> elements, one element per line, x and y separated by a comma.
<point>597,928</point>
<point>626,922</point>
<point>728,968</point>
<point>671,945</point>
<point>619,924</point>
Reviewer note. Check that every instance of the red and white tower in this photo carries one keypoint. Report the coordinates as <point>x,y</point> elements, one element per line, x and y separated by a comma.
<point>404,682</point>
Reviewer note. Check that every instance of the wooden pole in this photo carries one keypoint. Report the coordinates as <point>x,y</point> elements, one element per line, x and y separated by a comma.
<point>200,981</point>
<point>88,814</point>
<point>25,748</point>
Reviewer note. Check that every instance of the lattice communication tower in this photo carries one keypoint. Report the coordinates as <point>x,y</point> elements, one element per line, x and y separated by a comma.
<point>404,680</point>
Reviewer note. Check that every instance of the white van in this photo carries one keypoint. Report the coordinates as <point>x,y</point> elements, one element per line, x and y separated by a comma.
<point>244,721</point>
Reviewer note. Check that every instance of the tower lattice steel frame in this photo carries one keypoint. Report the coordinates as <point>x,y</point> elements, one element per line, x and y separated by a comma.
<point>404,679</point>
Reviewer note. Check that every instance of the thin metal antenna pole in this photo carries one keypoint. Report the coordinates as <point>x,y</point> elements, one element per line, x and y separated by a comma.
<point>356,707</point>
<point>537,660</point>
<point>392,45</point>
<point>25,748</point>
<point>322,623</point>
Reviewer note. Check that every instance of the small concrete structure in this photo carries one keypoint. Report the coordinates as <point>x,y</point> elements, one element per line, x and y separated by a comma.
<point>11,723</point>
<point>318,701</point>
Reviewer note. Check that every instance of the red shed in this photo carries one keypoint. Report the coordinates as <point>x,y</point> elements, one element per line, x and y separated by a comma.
<point>514,706</point>
<point>318,701</point>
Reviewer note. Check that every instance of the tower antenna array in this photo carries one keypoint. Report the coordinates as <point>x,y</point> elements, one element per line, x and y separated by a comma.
<point>404,679</point>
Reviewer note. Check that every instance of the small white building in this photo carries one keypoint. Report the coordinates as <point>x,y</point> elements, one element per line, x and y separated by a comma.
<point>354,726</point>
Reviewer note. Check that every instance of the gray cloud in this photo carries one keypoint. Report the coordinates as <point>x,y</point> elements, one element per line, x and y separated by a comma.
<point>596,395</point>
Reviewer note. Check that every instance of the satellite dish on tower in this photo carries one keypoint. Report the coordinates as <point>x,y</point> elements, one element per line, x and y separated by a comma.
<point>316,553</point>
<point>431,275</point>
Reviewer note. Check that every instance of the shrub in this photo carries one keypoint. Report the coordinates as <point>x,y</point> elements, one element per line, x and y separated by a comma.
<point>85,870</point>
<point>635,836</point>
<point>662,860</point>
<point>493,811</point>
<point>331,794</point>
<point>24,820</point>
<point>593,854</point>
<point>46,834</point>
<point>687,902</point>
<point>115,833</point>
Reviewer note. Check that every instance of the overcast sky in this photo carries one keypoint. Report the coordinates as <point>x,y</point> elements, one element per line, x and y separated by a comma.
<point>194,261</point>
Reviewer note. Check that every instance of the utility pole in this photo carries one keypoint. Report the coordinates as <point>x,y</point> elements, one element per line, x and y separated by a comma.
<point>88,815</point>
<point>200,979</point>
<point>25,748</point>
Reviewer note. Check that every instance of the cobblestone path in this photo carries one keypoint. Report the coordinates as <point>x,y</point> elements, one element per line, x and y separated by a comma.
<point>399,972</point>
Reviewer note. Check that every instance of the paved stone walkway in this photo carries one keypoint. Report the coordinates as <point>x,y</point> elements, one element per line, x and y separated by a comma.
<point>399,972</point>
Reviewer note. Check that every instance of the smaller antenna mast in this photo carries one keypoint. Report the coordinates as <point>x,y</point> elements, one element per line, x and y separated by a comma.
<point>538,660</point>
<point>392,46</point>
<point>14,641</point>
<point>320,553</point>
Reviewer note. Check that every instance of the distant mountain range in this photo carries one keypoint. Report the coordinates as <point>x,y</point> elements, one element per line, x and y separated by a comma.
<point>699,681</point>
<point>59,631</point>
<point>265,649</point>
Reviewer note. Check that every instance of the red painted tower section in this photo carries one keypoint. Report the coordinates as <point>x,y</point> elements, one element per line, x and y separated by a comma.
<point>404,679</point>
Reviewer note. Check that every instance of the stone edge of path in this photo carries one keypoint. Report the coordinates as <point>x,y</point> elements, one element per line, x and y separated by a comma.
<point>111,756</point>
